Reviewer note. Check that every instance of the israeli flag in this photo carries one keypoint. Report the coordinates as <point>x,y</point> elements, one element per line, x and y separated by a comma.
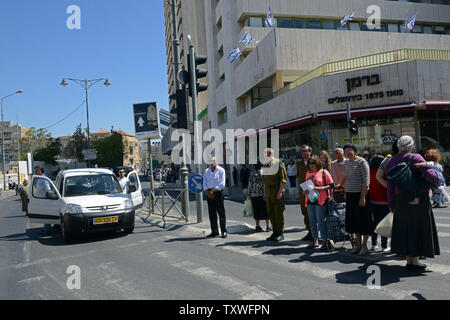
<point>346,18</point>
<point>410,23</point>
<point>234,54</point>
<point>270,22</point>
<point>248,38</point>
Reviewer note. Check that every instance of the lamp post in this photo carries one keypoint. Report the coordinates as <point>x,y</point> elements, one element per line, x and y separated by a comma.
<point>3,135</point>
<point>86,85</point>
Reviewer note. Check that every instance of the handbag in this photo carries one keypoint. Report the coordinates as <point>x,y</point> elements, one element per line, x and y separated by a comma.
<point>403,177</point>
<point>247,211</point>
<point>339,195</point>
<point>384,228</point>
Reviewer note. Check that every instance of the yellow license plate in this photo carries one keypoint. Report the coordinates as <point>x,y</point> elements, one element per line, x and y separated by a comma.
<point>98,221</point>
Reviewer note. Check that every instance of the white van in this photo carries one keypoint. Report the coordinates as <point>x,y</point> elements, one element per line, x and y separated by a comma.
<point>84,201</point>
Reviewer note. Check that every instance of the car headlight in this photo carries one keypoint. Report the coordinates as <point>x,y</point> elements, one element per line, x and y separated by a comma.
<point>73,208</point>
<point>128,204</point>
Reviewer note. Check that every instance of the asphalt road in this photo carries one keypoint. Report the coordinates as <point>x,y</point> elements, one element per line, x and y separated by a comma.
<point>179,263</point>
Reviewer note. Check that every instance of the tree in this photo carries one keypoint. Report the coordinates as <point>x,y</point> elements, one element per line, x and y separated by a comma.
<point>109,151</point>
<point>76,145</point>
<point>49,152</point>
<point>35,139</point>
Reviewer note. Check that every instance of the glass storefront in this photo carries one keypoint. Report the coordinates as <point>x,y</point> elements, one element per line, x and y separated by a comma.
<point>435,132</point>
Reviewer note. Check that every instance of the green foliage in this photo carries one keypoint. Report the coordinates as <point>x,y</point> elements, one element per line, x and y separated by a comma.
<point>76,145</point>
<point>49,152</point>
<point>35,139</point>
<point>109,150</point>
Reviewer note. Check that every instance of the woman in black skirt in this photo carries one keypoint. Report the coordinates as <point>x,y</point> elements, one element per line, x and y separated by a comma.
<point>256,195</point>
<point>358,218</point>
<point>414,229</point>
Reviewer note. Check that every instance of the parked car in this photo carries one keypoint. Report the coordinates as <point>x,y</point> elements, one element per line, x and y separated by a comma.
<point>84,201</point>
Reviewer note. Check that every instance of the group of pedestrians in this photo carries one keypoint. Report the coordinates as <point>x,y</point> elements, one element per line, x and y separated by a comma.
<point>370,188</point>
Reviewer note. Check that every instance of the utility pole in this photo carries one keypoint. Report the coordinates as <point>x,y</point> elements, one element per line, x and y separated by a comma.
<point>184,172</point>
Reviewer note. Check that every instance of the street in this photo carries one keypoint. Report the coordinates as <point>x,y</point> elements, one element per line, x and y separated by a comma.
<point>179,263</point>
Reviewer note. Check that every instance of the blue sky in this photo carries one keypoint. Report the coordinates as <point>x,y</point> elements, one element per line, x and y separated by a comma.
<point>123,41</point>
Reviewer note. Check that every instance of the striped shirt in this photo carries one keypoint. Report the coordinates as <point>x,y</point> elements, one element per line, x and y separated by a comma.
<point>357,175</point>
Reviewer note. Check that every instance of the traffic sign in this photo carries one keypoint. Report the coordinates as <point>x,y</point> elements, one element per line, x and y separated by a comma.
<point>196,183</point>
<point>146,121</point>
<point>89,154</point>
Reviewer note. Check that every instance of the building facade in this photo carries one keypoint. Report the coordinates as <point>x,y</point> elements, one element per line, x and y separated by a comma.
<point>13,132</point>
<point>299,75</point>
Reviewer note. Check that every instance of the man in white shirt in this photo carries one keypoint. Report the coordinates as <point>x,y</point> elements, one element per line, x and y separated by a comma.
<point>214,183</point>
<point>123,181</point>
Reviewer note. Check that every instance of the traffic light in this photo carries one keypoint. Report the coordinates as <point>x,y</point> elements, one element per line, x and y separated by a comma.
<point>181,107</point>
<point>199,73</point>
<point>353,127</point>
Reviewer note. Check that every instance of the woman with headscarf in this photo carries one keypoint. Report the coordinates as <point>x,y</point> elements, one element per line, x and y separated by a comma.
<point>414,229</point>
<point>256,195</point>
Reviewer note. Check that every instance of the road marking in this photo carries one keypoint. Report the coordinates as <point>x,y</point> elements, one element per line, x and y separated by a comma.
<point>244,290</point>
<point>437,217</point>
<point>26,246</point>
<point>442,225</point>
<point>443,234</point>
<point>31,280</point>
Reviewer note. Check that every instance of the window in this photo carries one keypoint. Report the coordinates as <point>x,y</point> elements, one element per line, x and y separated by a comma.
<point>299,23</point>
<point>439,29</point>
<point>417,29</point>
<point>314,24</point>
<point>354,26</point>
<point>41,187</point>
<point>255,22</point>
<point>222,116</point>
<point>328,24</point>
<point>91,185</point>
<point>340,27</point>
<point>427,30</point>
<point>284,23</point>
<point>447,31</point>
<point>392,27</point>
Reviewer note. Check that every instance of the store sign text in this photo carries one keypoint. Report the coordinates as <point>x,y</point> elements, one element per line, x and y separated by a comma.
<point>368,96</point>
<point>358,82</point>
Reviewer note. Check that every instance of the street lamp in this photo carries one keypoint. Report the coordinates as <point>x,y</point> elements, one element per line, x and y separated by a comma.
<point>86,85</point>
<point>3,135</point>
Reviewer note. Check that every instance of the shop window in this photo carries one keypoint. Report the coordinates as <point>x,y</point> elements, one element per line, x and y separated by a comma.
<point>393,27</point>
<point>427,30</point>
<point>439,29</point>
<point>299,23</point>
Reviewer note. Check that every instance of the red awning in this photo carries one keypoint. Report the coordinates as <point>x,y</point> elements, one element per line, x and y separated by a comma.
<point>294,123</point>
<point>368,111</point>
<point>438,105</point>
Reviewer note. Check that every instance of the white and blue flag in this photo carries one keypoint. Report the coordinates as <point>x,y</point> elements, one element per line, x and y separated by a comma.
<point>346,18</point>
<point>234,54</point>
<point>410,23</point>
<point>248,38</point>
<point>270,22</point>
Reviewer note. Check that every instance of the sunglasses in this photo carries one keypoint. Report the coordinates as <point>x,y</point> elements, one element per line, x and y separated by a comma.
<point>305,151</point>
<point>312,163</point>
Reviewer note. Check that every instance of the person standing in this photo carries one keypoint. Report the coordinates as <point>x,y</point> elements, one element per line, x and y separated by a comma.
<point>235,177</point>
<point>245,174</point>
<point>256,195</point>
<point>274,182</point>
<point>325,159</point>
<point>338,168</point>
<point>123,181</point>
<point>302,169</point>
<point>414,229</point>
<point>214,183</point>
<point>378,201</point>
<point>317,210</point>
<point>292,173</point>
<point>358,219</point>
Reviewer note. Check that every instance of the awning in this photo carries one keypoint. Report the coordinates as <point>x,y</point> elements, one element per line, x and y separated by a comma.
<point>368,111</point>
<point>294,123</point>
<point>438,105</point>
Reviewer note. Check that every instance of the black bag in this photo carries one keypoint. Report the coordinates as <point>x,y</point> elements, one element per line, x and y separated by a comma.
<point>339,195</point>
<point>404,178</point>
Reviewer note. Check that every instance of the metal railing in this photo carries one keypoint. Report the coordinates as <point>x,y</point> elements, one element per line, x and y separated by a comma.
<point>378,59</point>
<point>162,202</point>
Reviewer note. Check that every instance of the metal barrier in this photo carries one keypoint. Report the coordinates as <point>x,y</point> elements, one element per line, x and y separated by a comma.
<point>162,202</point>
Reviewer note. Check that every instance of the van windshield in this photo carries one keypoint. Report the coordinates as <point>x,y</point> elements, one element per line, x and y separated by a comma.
<point>91,185</point>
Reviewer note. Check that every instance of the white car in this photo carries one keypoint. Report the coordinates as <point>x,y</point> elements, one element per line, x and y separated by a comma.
<point>84,201</point>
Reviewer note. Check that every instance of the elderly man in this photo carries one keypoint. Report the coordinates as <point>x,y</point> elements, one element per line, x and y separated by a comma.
<point>214,183</point>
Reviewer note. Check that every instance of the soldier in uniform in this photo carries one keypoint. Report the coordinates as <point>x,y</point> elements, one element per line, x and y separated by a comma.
<point>302,169</point>
<point>274,182</point>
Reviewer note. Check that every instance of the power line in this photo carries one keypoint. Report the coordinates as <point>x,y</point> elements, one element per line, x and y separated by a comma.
<point>66,116</point>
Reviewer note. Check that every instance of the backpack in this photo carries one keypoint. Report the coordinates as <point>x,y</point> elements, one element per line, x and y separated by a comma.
<point>404,178</point>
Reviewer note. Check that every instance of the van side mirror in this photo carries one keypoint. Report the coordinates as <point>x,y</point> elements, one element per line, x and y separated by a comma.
<point>131,189</point>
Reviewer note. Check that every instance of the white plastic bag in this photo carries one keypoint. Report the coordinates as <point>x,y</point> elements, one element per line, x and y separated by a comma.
<point>309,186</point>
<point>384,228</point>
<point>440,195</point>
<point>247,211</point>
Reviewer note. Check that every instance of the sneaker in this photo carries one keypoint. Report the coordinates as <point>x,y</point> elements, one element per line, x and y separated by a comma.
<point>363,252</point>
<point>273,236</point>
<point>374,248</point>
<point>258,229</point>
<point>387,250</point>
<point>279,238</point>
<point>330,245</point>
